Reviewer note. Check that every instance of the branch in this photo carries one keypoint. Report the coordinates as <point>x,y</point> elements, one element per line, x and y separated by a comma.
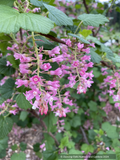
<point>84,135</point>
<point>107,65</point>
<point>21,36</point>
<point>97,31</point>
<point>53,38</point>
<point>44,125</point>
<point>86,7</point>
<point>87,10</point>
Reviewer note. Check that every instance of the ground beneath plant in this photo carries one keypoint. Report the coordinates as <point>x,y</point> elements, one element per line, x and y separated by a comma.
<point>34,135</point>
<point>30,136</point>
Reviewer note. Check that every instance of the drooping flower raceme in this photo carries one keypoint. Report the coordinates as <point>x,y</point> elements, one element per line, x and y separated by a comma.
<point>42,93</point>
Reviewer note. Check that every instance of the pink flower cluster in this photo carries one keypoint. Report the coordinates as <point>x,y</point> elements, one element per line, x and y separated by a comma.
<point>73,63</point>
<point>113,82</point>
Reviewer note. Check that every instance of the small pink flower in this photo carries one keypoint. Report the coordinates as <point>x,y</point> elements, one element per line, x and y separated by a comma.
<point>8,64</point>
<point>20,82</point>
<point>107,148</point>
<point>80,46</point>
<point>90,64</point>
<point>43,108</point>
<point>92,45</point>
<point>90,27</point>
<point>54,51</point>
<point>61,112</point>
<point>75,63</point>
<point>68,42</point>
<point>35,79</point>
<point>87,50</point>
<point>85,57</point>
<point>22,57</point>
<point>46,66</point>
<point>59,58</point>
<point>94,5</point>
<point>36,10</point>
<point>57,72</point>
<point>42,146</point>
<point>13,112</point>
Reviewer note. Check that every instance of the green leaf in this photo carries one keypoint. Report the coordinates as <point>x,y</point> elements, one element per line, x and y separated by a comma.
<point>95,40</point>
<point>11,21</point>
<point>6,89</point>
<point>52,156</point>
<point>94,56</point>
<point>36,147</point>
<point>96,72</point>
<point>116,59</point>
<point>35,22</point>
<point>23,146</point>
<point>80,111</point>
<point>49,142</point>
<point>5,37</point>
<point>22,102</point>
<point>93,19</point>
<point>8,19</point>
<point>6,70</point>
<point>1,76</point>
<point>117,9</point>
<point>110,130</point>
<point>14,147</point>
<point>74,134</point>
<point>58,16</point>
<point>22,89</point>
<point>76,121</point>
<point>5,126</point>
<point>103,47</point>
<point>36,3</point>
<point>3,46</point>
<point>92,105</point>
<point>3,153</point>
<point>70,114</point>
<point>45,43</point>
<point>80,38</point>
<point>15,63</point>
<point>107,141</point>
<point>48,1</point>
<point>108,51</point>
<point>71,144</point>
<point>3,144</point>
<point>1,100</point>
<point>85,32</point>
<point>67,125</point>
<point>35,121</point>
<point>23,115</point>
<point>50,120</point>
<point>18,156</point>
<point>92,134</point>
<point>87,148</point>
<point>39,154</point>
<point>116,143</point>
<point>7,2</point>
<point>64,142</point>
<point>48,154</point>
<point>58,136</point>
<point>73,29</point>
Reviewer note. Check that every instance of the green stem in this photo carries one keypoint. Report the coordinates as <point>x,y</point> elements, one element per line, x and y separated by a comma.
<point>38,60</point>
<point>78,27</point>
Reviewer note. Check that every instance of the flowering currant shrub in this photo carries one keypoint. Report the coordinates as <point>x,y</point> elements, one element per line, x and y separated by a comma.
<point>55,68</point>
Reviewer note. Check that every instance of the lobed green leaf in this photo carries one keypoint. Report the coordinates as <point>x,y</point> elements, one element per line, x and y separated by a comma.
<point>93,19</point>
